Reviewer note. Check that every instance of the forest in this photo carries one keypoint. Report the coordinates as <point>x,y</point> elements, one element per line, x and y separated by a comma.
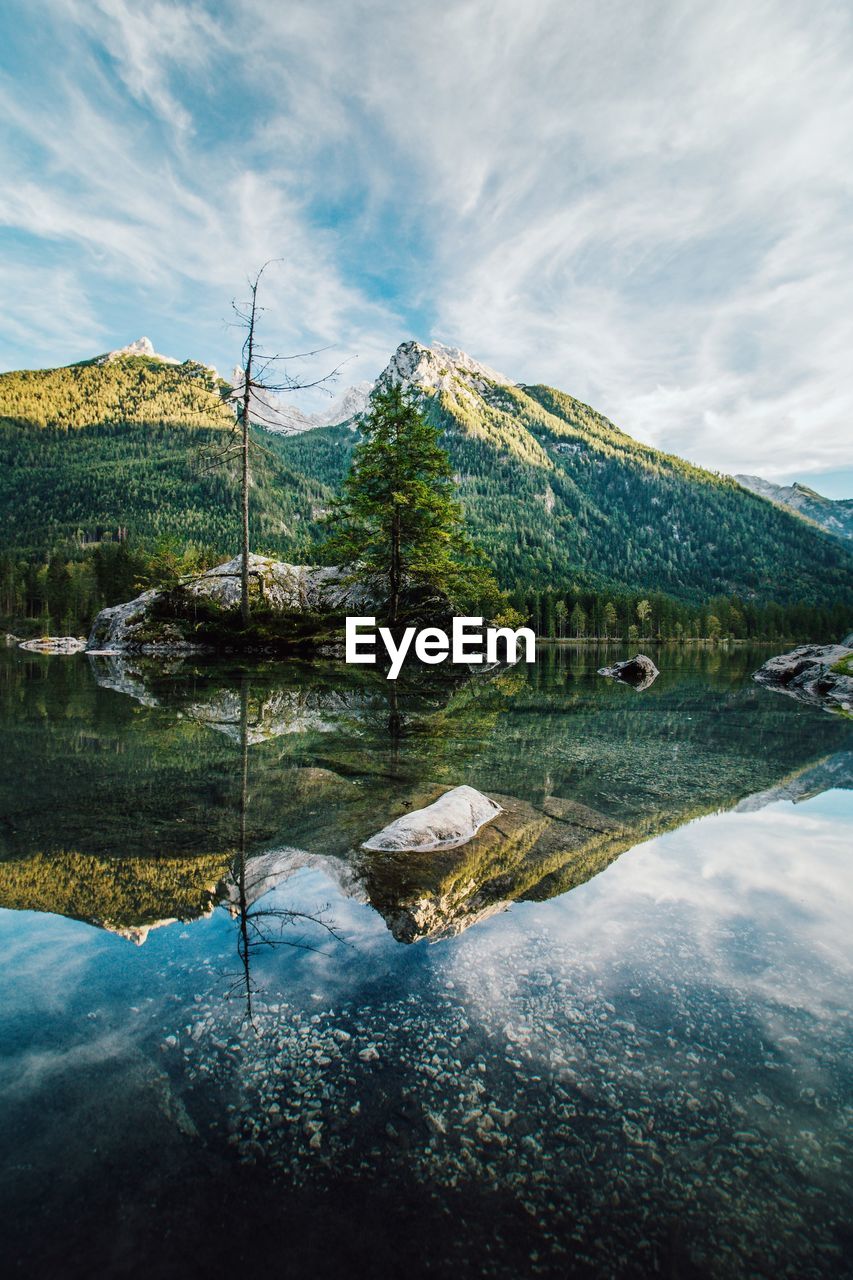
<point>113,478</point>
<point>61,595</point>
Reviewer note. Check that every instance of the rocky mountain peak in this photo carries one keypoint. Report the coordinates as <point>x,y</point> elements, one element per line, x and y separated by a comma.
<point>440,368</point>
<point>833,515</point>
<point>349,404</point>
<point>141,347</point>
<point>278,414</point>
<point>431,368</point>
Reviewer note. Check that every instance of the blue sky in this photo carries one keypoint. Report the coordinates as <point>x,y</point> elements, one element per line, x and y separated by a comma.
<point>645,203</point>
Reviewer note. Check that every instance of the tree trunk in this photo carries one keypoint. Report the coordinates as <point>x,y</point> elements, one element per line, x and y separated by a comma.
<point>244,540</point>
<point>243,942</point>
<point>394,576</point>
<point>244,507</point>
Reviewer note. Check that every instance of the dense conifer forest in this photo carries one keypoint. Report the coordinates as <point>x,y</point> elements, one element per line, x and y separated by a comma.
<point>111,481</point>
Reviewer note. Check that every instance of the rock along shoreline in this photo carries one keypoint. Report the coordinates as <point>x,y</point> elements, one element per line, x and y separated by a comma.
<point>821,675</point>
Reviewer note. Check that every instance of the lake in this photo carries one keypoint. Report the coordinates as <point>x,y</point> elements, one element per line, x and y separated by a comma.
<point>610,1036</point>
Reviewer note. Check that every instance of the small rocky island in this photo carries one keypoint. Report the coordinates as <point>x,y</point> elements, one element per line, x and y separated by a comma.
<point>821,675</point>
<point>292,606</point>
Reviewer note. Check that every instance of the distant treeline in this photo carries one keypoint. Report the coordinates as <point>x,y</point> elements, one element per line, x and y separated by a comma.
<point>62,593</point>
<point>603,616</point>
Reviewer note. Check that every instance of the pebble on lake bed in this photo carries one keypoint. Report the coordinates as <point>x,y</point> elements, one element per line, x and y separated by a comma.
<point>513,1082</point>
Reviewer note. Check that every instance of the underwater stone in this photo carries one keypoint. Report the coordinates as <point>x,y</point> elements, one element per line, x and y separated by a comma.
<point>452,820</point>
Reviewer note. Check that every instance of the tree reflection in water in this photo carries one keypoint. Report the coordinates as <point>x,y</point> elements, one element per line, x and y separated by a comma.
<point>259,927</point>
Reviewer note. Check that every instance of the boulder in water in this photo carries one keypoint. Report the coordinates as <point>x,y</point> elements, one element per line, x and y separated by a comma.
<point>814,673</point>
<point>639,671</point>
<point>54,644</point>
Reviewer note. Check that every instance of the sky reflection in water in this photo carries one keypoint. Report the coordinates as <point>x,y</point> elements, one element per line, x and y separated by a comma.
<point>651,1070</point>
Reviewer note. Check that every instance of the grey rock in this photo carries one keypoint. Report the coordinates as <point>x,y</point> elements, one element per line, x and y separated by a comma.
<point>639,671</point>
<point>133,627</point>
<point>130,628</point>
<point>54,644</point>
<point>290,588</point>
<point>807,674</point>
<point>452,820</point>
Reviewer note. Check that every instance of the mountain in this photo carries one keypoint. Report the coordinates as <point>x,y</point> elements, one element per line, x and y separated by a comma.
<point>558,495</point>
<point>132,445</point>
<point>833,515</point>
<point>275,412</point>
<point>130,385</point>
<point>555,493</point>
<point>141,347</point>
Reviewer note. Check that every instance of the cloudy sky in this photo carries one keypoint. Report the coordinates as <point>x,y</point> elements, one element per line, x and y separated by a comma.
<point>647,204</point>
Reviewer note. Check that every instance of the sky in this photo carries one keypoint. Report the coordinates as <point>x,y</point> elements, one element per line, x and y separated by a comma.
<point>646,203</point>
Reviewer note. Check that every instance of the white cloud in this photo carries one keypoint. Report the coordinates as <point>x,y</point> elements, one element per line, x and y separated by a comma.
<point>674,911</point>
<point>151,45</point>
<point>47,310</point>
<point>646,205</point>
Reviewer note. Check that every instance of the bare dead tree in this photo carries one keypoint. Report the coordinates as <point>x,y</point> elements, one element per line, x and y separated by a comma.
<point>254,409</point>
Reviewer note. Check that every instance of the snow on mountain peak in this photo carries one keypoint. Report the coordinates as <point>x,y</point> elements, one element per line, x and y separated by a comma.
<point>349,404</point>
<point>436,367</point>
<point>141,347</point>
<point>278,414</point>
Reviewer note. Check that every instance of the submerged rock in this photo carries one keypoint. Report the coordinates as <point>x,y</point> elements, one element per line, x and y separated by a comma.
<point>524,853</point>
<point>452,820</point>
<point>54,644</point>
<point>812,673</point>
<point>639,671</point>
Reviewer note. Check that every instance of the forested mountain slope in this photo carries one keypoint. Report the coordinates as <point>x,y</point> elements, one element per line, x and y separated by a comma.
<point>132,449</point>
<point>555,493</point>
<point>112,391</point>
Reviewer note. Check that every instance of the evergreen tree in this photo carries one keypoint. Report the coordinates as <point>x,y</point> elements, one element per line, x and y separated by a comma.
<point>398,516</point>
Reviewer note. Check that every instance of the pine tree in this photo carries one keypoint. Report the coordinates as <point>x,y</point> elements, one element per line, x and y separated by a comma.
<point>397,516</point>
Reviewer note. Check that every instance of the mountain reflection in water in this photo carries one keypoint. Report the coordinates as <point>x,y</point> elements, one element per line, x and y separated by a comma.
<point>138,810</point>
<point>644,1075</point>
